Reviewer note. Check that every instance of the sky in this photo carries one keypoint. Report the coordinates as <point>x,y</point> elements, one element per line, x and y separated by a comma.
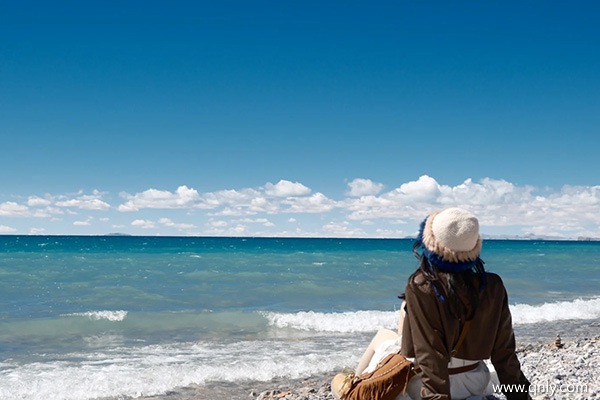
<point>298,118</point>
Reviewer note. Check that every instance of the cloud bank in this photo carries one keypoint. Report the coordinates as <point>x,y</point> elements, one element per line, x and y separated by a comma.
<point>286,208</point>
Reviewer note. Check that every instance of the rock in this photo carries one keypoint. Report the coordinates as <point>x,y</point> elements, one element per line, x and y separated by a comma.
<point>266,395</point>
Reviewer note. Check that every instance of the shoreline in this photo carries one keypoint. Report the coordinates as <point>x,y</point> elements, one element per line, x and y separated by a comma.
<point>570,372</point>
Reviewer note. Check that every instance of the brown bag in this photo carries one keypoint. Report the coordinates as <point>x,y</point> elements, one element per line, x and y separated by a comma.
<point>387,381</point>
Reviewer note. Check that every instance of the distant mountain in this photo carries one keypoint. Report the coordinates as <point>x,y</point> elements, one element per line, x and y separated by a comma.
<point>588,239</point>
<point>531,236</point>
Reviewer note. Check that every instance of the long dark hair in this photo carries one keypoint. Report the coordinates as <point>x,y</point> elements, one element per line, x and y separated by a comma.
<point>459,290</point>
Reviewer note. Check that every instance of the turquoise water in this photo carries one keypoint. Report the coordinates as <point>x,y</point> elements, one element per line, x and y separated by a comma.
<point>140,315</point>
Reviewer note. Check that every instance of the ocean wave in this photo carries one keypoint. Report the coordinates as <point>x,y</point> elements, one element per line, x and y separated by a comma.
<point>113,316</point>
<point>343,322</point>
<point>151,370</point>
<point>371,321</point>
<point>557,311</point>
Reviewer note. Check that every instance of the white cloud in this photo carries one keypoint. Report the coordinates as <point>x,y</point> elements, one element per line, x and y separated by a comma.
<point>238,230</point>
<point>260,204</point>
<point>232,212</point>
<point>241,197</point>
<point>86,202</point>
<point>262,221</point>
<point>34,201</point>
<point>12,209</point>
<point>364,187</point>
<point>487,192</point>
<point>183,197</point>
<point>171,224</point>
<point>285,188</point>
<point>86,222</point>
<point>246,201</point>
<point>218,224</point>
<point>7,229</point>
<point>239,202</point>
<point>367,206</point>
<point>342,229</point>
<point>36,231</point>
<point>570,211</point>
<point>144,224</point>
<point>317,203</point>
<point>416,199</point>
<point>46,212</point>
<point>425,189</point>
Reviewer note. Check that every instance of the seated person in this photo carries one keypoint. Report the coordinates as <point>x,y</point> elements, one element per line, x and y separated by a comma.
<point>451,290</point>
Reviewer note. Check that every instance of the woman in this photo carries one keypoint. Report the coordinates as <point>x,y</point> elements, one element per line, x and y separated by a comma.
<point>449,296</point>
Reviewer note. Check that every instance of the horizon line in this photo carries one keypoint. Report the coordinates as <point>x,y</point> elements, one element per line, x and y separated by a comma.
<point>489,238</point>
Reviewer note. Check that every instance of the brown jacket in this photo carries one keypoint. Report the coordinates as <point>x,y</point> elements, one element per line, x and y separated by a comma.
<point>430,333</point>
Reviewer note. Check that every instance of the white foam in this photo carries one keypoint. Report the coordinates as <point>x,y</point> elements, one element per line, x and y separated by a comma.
<point>151,370</point>
<point>109,369</point>
<point>357,321</point>
<point>557,311</point>
<point>113,316</point>
<point>371,321</point>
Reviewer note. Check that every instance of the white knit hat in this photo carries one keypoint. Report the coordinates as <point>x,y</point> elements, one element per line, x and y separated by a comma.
<point>453,235</point>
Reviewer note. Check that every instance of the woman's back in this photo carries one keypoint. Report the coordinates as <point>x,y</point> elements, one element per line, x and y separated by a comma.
<point>450,288</point>
<point>430,333</point>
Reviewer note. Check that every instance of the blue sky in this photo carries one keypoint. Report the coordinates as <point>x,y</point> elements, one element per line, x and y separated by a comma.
<point>298,118</point>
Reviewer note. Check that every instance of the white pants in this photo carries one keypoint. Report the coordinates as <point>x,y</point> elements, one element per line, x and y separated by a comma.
<point>470,385</point>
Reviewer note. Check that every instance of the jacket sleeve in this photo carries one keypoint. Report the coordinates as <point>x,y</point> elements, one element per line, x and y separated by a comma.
<point>427,331</point>
<point>504,356</point>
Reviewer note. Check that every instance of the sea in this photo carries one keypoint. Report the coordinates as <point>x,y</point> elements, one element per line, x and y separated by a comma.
<point>121,317</point>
